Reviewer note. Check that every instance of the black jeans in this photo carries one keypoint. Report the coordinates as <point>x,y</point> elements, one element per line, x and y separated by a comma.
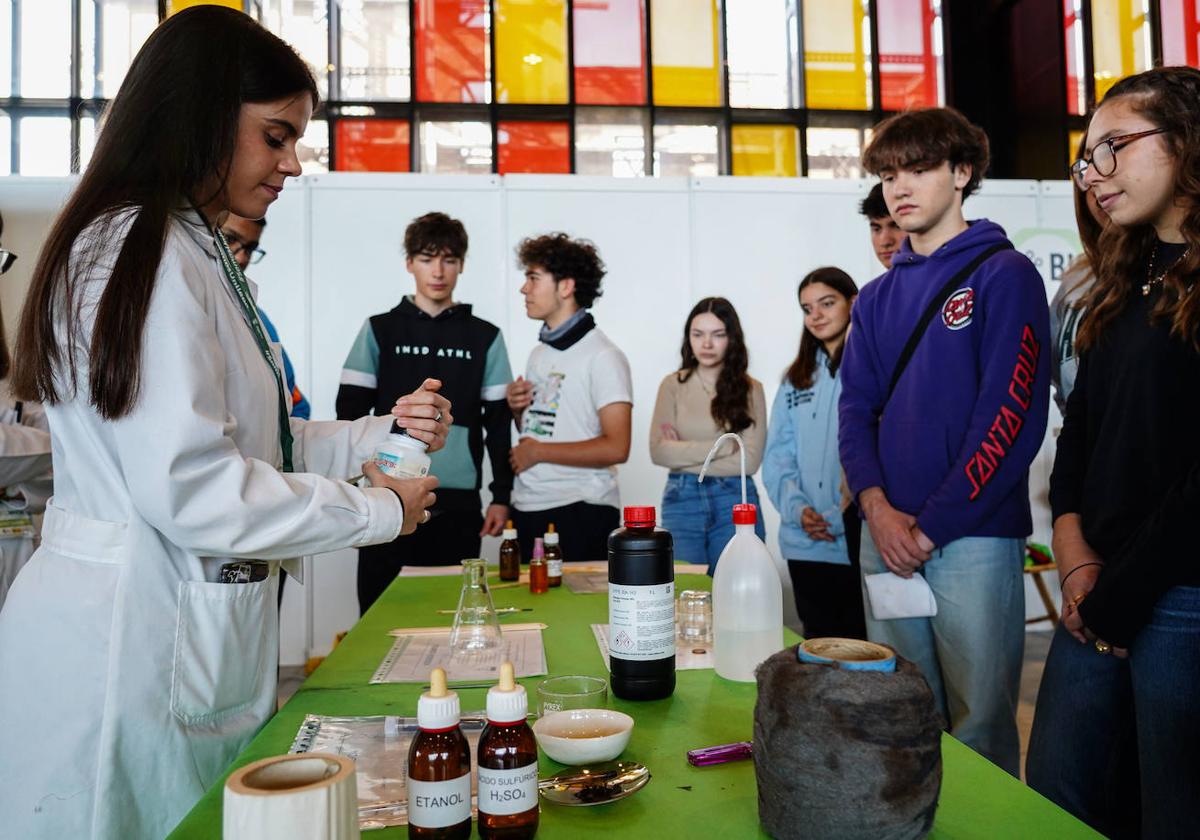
<point>448,538</point>
<point>829,598</point>
<point>583,529</point>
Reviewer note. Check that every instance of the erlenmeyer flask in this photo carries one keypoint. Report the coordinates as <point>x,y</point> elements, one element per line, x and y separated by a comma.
<point>476,626</point>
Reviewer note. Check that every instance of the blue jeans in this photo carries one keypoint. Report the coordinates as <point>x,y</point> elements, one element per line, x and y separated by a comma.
<point>970,652</point>
<point>1117,741</point>
<point>700,516</point>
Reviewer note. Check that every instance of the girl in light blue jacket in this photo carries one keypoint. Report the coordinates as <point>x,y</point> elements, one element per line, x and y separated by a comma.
<point>819,526</point>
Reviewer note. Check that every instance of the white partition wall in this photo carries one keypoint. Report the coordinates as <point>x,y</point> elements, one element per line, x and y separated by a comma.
<point>335,256</point>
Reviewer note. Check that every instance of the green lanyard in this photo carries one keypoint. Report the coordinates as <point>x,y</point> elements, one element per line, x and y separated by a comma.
<point>237,280</point>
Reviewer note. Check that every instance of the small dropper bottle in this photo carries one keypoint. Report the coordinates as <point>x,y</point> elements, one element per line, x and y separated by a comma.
<point>508,764</point>
<point>439,768</point>
<point>539,581</point>
<point>554,557</point>
<point>510,554</point>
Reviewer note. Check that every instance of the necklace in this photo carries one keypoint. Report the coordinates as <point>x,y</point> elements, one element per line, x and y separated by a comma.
<point>711,390</point>
<point>1153,280</point>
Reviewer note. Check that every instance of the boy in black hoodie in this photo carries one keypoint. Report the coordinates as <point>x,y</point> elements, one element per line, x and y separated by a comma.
<point>428,335</point>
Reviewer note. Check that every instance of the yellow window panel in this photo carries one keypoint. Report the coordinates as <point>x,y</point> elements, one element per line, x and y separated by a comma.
<point>531,51</point>
<point>835,59</point>
<point>765,150</point>
<point>1120,42</point>
<point>686,43</point>
<point>174,6</point>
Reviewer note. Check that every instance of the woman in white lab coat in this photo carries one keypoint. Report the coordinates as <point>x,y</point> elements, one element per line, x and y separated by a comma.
<point>129,676</point>
<point>24,464</point>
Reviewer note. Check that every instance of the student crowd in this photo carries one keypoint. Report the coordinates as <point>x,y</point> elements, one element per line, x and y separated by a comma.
<point>898,443</point>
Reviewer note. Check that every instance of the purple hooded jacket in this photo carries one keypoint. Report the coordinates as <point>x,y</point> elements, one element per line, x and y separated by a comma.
<point>953,446</point>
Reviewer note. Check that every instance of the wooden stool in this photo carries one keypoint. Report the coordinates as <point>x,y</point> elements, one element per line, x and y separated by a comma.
<point>1051,612</point>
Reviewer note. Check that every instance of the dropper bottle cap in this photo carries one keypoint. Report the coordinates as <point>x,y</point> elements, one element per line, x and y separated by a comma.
<point>506,702</point>
<point>538,550</point>
<point>438,708</point>
<point>551,536</point>
<point>510,533</point>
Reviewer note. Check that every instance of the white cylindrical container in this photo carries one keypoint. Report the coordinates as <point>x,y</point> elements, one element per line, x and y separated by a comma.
<point>402,456</point>
<point>310,795</point>
<point>747,602</point>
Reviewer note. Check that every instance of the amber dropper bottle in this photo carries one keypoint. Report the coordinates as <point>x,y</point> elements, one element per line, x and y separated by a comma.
<point>508,764</point>
<point>439,768</point>
<point>539,580</point>
<point>510,554</point>
<point>554,557</point>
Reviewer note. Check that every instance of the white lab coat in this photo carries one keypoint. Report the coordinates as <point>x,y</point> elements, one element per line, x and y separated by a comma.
<point>130,679</point>
<point>25,476</point>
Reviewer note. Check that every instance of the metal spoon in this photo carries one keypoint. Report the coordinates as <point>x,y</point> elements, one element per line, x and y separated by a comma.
<point>595,785</point>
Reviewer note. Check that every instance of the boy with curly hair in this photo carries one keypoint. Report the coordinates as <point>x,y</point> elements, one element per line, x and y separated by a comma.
<point>572,407</point>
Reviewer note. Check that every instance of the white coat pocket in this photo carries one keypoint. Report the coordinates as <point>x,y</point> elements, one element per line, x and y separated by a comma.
<point>223,636</point>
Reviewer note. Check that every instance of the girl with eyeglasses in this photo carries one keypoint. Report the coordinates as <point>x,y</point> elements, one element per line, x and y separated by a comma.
<point>1116,734</point>
<point>138,646</point>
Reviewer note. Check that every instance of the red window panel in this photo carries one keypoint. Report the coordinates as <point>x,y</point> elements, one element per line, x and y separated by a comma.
<point>610,52</point>
<point>1073,42</point>
<point>372,146</point>
<point>451,47</point>
<point>908,65</point>
<point>1180,32</point>
<point>534,147</point>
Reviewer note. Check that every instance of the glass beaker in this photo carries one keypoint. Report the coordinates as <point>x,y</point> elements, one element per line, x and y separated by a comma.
<point>476,625</point>
<point>695,617</point>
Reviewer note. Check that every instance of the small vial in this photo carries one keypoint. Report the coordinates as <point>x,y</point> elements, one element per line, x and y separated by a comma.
<point>439,768</point>
<point>508,764</point>
<point>554,558</point>
<point>539,580</point>
<point>510,554</point>
<point>402,456</point>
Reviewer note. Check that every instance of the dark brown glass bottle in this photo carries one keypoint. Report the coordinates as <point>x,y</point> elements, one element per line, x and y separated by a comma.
<point>510,554</point>
<point>439,768</point>
<point>554,557</point>
<point>508,765</point>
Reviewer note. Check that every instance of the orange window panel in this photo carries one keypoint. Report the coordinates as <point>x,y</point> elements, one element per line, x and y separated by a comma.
<point>909,64</point>
<point>451,39</point>
<point>534,147</point>
<point>373,145</point>
<point>610,52</point>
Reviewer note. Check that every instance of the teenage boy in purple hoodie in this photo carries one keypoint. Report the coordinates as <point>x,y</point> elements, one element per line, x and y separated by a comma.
<point>939,463</point>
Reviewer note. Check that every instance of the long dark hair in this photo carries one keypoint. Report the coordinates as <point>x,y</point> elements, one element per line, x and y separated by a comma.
<point>169,133</point>
<point>1169,97</point>
<point>5,359</point>
<point>804,367</point>
<point>731,405</point>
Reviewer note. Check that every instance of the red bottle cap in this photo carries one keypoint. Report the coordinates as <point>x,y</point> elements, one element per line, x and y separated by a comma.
<point>640,517</point>
<point>745,514</point>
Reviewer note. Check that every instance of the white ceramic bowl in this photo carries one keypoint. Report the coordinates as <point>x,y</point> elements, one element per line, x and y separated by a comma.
<point>583,736</point>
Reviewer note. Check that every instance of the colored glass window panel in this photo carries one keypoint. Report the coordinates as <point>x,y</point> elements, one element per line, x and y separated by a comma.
<point>531,51</point>
<point>685,43</point>
<point>111,33</point>
<point>304,24</point>
<point>1120,41</point>
<point>835,152</point>
<point>610,52</point>
<point>766,150</point>
<point>1074,50</point>
<point>1179,21</point>
<point>1074,138</point>
<point>610,142</point>
<point>174,6</point>
<point>374,61</point>
<point>910,54</point>
<point>688,150</point>
<point>836,42</point>
<point>456,148</point>
<point>533,147</point>
<point>372,145</point>
<point>764,54</point>
<point>451,42</point>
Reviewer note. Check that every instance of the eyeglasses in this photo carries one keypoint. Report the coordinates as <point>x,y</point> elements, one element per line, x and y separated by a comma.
<point>7,258</point>
<point>1104,156</point>
<point>237,246</point>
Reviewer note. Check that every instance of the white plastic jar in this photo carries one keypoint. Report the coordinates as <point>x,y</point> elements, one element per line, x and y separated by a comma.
<point>402,456</point>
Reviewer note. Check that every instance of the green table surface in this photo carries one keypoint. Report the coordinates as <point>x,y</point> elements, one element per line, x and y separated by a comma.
<point>978,799</point>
